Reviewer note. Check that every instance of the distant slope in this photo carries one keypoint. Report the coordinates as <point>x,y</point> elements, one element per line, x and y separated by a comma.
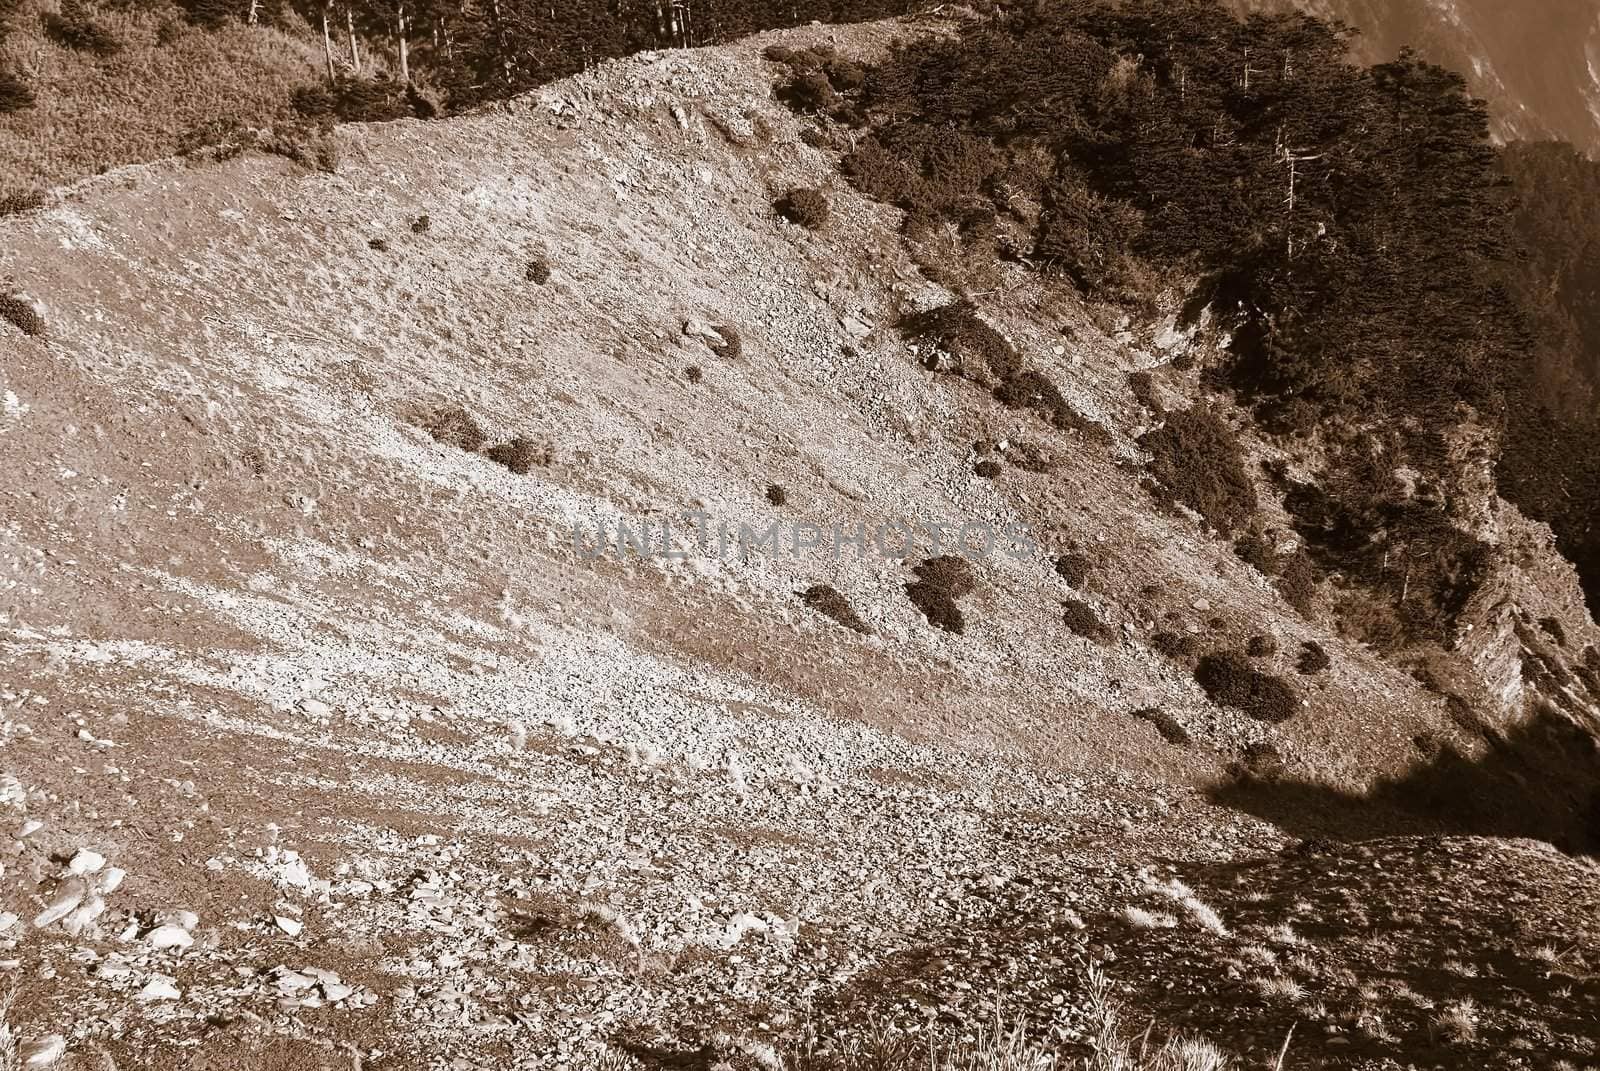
<point>1538,64</point>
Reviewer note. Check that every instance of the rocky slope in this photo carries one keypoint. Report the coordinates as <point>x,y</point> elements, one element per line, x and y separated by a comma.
<point>328,740</point>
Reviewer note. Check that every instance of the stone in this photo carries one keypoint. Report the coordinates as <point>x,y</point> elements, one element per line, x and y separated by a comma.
<point>168,937</point>
<point>159,988</point>
<point>86,862</point>
<point>65,903</point>
<point>316,708</point>
<point>292,927</point>
<point>43,1052</point>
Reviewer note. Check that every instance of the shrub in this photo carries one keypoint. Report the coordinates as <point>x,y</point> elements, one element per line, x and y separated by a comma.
<point>777,495</point>
<point>1298,582</point>
<point>538,271</point>
<point>1230,680</point>
<point>1313,658</point>
<point>1197,461</point>
<point>831,604</point>
<point>74,28</point>
<point>732,347</point>
<point>1262,761</point>
<point>1170,729</point>
<point>421,225</point>
<point>21,315</point>
<point>1074,568</point>
<point>14,204</point>
<point>807,207</point>
<point>1261,647</point>
<point>14,93</point>
<point>1178,646</point>
<point>940,581</point>
<point>310,145</point>
<point>981,353</point>
<point>378,244</point>
<point>1553,627</point>
<point>987,469</point>
<point>1253,549</point>
<point>453,426</point>
<point>1143,385</point>
<point>693,373</point>
<point>520,454</point>
<point>1080,617</point>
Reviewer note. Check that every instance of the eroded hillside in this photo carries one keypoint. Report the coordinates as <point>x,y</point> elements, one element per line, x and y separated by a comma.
<point>326,737</point>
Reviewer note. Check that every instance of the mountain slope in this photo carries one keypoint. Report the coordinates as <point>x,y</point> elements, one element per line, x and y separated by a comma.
<point>360,701</point>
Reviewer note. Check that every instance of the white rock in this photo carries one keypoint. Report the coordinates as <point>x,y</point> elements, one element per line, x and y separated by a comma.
<point>86,862</point>
<point>292,927</point>
<point>316,708</point>
<point>336,990</point>
<point>43,1052</point>
<point>110,878</point>
<point>30,827</point>
<point>168,937</point>
<point>7,920</point>
<point>66,901</point>
<point>159,988</point>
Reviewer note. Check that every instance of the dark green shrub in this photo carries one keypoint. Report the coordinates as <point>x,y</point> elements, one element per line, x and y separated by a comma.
<point>1171,730</point>
<point>1261,647</point>
<point>1313,658</point>
<point>981,353</point>
<point>807,207</point>
<point>379,244</point>
<point>1196,460</point>
<point>732,346</point>
<point>1080,617</point>
<point>1143,385</point>
<point>520,454</point>
<point>74,28</point>
<point>1553,627</point>
<point>538,271</point>
<point>1230,680</point>
<point>314,101</point>
<point>21,315</point>
<point>777,495</point>
<point>987,469</point>
<point>831,604</point>
<point>1074,568</point>
<point>693,373</point>
<point>14,204</point>
<point>940,581</point>
<point>453,426</point>
<point>1253,549</point>
<point>14,93</point>
<point>1178,646</point>
<point>421,225</point>
<point>1298,581</point>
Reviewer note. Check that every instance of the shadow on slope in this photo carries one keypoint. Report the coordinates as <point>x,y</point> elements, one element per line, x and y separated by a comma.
<point>1539,779</point>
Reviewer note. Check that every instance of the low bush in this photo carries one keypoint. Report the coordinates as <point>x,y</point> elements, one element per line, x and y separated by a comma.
<point>1171,730</point>
<point>520,454</point>
<point>1230,680</point>
<point>940,582</point>
<point>453,426</point>
<point>1074,568</point>
<point>980,353</point>
<point>74,28</point>
<point>807,207</point>
<point>1553,627</point>
<point>1080,617</point>
<point>732,347</point>
<point>693,373</point>
<point>1261,761</point>
<point>422,224</point>
<point>1313,658</point>
<point>538,271</point>
<point>20,201</point>
<point>21,315</point>
<point>1143,385</point>
<point>988,469</point>
<point>381,245</point>
<point>831,604</point>
<point>1252,548</point>
<point>1196,460</point>
<point>1261,647</point>
<point>14,92</point>
<point>1297,582</point>
<point>777,495</point>
<point>1178,646</point>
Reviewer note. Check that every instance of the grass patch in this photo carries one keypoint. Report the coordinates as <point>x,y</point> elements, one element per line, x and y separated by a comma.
<point>807,207</point>
<point>21,315</point>
<point>828,602</point>
<point>521,454</point>
<point>1230,680</point>
<point>940,582</point>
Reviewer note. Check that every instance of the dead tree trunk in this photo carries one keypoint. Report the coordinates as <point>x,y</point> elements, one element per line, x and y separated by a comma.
<point>403,50</point>
<point>327,42</point>
<point>350,32</point>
